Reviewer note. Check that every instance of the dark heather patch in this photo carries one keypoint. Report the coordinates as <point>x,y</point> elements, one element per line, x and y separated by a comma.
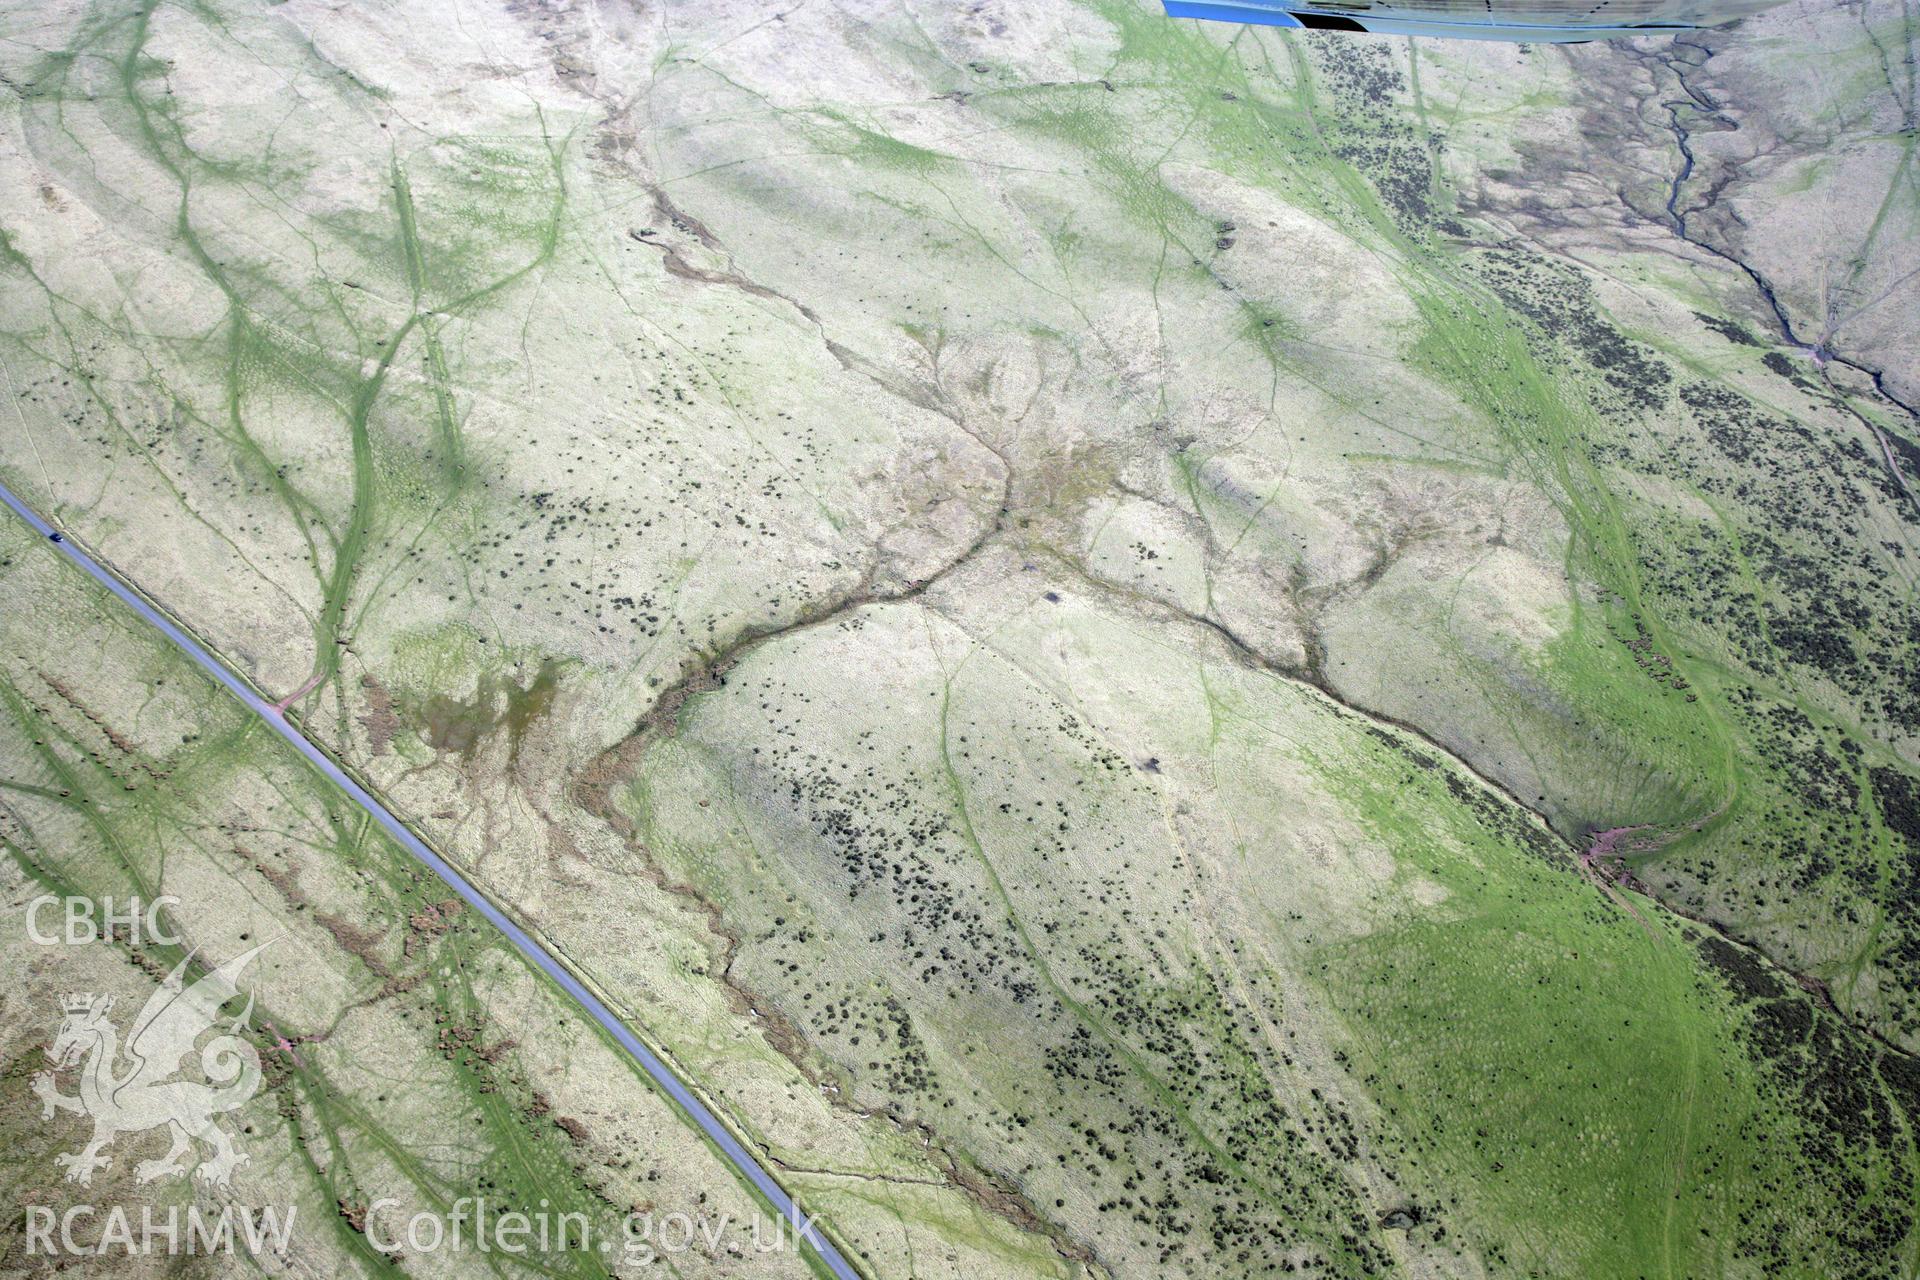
<point>1727,329</point>
<point>1742,970</point>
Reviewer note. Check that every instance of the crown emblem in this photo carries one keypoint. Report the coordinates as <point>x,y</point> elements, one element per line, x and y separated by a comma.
<point>77,1002</point>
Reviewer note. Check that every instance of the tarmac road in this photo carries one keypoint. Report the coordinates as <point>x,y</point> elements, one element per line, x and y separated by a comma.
<point>662,1075</point>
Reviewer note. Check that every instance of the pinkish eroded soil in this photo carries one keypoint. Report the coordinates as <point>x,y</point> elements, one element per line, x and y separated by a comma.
<point>1608,844</point>
<point>282,705</point>
<point>1608,850</point>
<point>1603,861</point>
<point>282,1044</point>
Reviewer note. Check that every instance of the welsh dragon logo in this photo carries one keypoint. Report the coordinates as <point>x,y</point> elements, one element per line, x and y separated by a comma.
<point>145,1093</point>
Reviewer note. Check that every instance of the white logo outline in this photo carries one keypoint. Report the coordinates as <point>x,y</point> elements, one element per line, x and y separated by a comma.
<point>148,1094</point>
